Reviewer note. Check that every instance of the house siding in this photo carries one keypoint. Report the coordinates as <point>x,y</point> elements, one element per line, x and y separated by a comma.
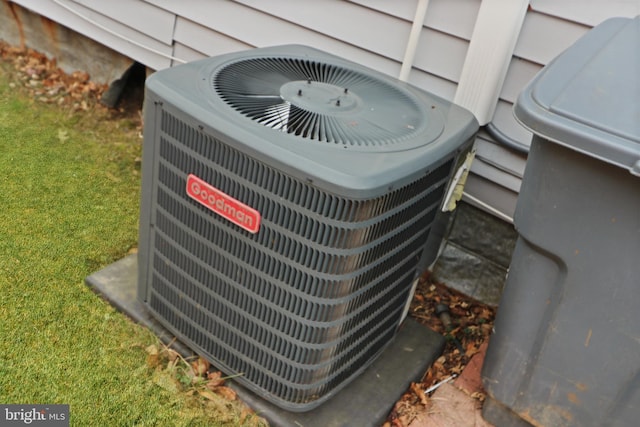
<point>163,33</point>
<point>110,30</point>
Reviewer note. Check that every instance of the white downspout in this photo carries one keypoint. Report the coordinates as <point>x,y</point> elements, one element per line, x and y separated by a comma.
<point>412,43</point>
<point>490,50</point>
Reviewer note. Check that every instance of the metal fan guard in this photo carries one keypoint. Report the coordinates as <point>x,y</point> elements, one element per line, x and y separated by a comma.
<point>320,102</point>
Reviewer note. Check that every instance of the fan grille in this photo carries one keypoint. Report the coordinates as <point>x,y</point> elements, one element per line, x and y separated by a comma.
<point>319,101</point>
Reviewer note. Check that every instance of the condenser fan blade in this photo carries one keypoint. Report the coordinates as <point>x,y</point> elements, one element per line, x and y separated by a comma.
<point>255,106</point>
<point>319,101</point>
<point>275,117</point>
<point>249,82</point>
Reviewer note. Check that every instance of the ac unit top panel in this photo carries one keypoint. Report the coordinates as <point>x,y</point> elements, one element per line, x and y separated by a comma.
<point>316,116</point>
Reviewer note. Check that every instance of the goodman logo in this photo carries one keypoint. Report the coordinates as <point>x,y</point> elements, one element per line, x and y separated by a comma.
<point>223,204</point>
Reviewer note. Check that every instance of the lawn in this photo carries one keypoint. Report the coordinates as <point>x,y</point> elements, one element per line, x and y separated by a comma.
<point>69,194</point>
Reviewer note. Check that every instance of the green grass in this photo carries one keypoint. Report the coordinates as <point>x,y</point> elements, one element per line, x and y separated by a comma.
<point>69,199</point>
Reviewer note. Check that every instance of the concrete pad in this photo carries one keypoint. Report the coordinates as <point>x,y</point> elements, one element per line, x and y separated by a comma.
<point>366,401</point>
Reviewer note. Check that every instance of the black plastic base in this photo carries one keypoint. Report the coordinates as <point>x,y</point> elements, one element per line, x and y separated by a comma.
<point>366,401</point>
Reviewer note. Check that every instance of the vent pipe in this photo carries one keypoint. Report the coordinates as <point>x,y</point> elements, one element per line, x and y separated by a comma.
<point>412,43</point>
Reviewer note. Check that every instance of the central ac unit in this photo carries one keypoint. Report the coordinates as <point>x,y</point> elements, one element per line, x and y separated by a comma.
<point>287,196</point>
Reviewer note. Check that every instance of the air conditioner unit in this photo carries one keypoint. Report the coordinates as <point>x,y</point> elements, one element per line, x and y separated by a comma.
<point>287,195</point>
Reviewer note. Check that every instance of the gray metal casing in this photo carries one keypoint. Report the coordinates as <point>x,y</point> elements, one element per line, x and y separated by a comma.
<point>565,351</point>
<point>306,303</point>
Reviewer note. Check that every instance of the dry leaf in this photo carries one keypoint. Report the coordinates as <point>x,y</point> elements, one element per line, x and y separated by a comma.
<point>63,135</point>
<point>153,357</point>
<point>419,393</point>
<point>152,349</point>
<point>200,366</point>
<point>471,349</point>
<point>209,395</point>
<point>214,380</point>
<point>172,355</point>
<point>478,395</point>
<point>226,392</point>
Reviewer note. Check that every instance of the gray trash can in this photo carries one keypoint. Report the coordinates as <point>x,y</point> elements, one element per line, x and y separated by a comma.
<point>566,346</point>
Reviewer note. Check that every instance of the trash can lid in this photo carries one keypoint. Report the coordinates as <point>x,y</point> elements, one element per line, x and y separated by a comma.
<point>588,98</point>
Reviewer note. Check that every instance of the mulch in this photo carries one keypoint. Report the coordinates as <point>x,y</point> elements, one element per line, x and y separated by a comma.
<point>466,325</point>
